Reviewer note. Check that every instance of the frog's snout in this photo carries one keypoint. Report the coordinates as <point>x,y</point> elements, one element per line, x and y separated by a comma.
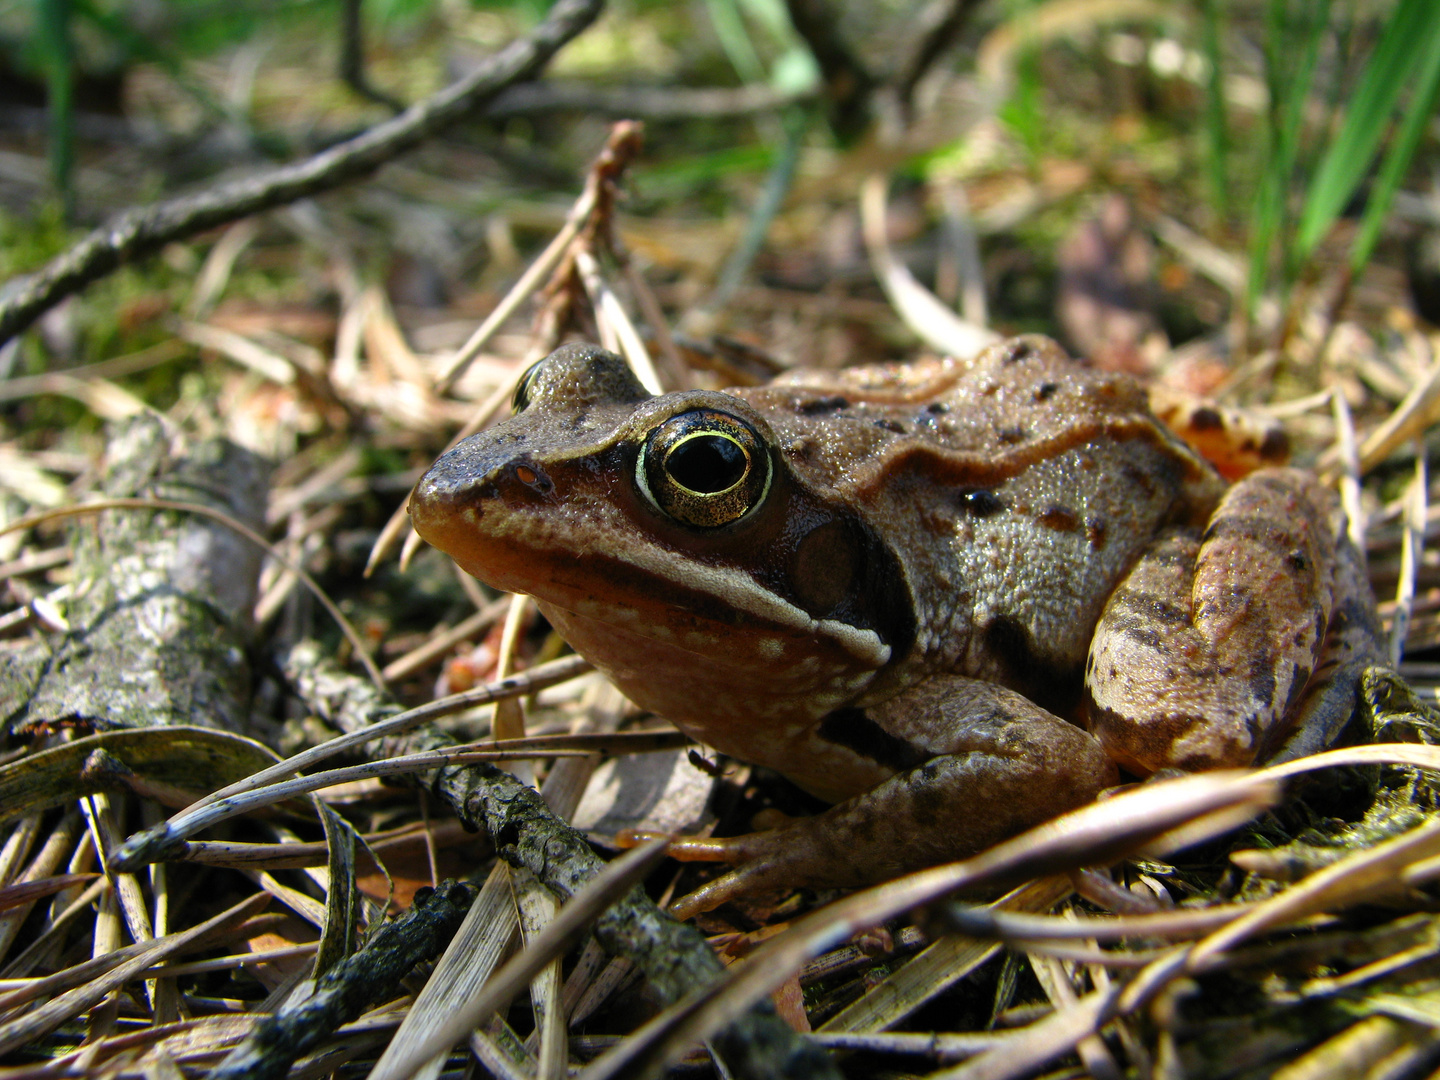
<point>468,479</point>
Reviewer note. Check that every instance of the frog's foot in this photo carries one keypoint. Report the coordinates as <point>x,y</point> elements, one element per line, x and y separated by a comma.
<point>1212,647</point>
<point>991,765</point>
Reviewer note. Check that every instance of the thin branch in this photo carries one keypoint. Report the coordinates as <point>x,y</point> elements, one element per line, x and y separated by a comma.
<point>146,229</point>
<point>642,102</point>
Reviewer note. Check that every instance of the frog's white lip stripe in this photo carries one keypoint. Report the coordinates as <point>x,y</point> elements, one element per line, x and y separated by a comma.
<point>735,588</point>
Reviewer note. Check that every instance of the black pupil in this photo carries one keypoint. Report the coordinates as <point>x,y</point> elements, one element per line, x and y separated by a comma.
<point>707,464</point>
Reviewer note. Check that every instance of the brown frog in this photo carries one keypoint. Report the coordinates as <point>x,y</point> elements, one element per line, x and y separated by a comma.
<point>947,597</point>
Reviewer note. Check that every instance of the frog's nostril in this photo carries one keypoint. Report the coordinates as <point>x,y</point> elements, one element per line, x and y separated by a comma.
<point>532,476</point>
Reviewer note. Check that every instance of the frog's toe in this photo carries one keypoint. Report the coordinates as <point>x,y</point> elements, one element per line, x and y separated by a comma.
<point>731,849</point>
<point>746,880</point>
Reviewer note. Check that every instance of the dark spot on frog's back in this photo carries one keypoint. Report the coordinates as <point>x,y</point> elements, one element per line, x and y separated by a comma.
<point>816,406</point>
<point>853,729</point>
<point>1261,680</point>
<point>886,424</point>
<point>1137,478</point>
<point>1017,350</point>
<point>979,503</point>
<point>1012,434</point>
<point>1046,390</point>
<point>1060,518</point>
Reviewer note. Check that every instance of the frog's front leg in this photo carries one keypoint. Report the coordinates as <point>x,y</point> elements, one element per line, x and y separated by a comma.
<point>1213,645</point>
<point>988,765</point>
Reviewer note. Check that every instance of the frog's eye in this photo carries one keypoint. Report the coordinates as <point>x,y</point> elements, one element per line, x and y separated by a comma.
<point>523,386</point>
<point>704,468</point>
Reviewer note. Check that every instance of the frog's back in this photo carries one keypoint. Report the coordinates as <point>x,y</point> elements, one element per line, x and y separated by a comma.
<point>1015,488</point>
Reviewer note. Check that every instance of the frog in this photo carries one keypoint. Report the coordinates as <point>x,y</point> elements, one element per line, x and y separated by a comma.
<point>951,598</point>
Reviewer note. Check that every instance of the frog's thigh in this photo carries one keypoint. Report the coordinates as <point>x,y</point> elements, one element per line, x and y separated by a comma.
<point>1000,765</point>
<point>1206,647</point>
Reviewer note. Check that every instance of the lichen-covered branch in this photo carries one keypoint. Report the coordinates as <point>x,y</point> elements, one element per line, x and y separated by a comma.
<point>160,604</point>
<point>343,992</point>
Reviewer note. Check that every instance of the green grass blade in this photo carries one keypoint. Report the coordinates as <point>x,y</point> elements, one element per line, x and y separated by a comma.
<point>1294,30</point>
<point>1412,36</point>
<point>1397,158</point>
<point>52,37</point>
<point>735,40</point>
<point>1217,133</point>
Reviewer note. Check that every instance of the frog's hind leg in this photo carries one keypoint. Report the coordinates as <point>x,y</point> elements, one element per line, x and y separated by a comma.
<point>1212,646</point>
<point>991,765</point>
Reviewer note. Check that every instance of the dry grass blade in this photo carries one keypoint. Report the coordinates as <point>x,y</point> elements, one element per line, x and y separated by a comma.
<point>1092,835</point>
<point>994,921</point>
<point>147,845</point>
<point>1412,543</point>
<point>22,964</point>
<point>62,382</point>
<point>467,963</point>
<point>33,1024</point>
<point>1412,755</point>
<point>939,965</point>
<point>930,320</point>
<point>1094,1055</point>
<point>29,891</point>
<point>622,145</point>
<point>1362,876</point>
<point>250,355</point>
<point>521,291</point>
<point>607,886</point>
<point>614,322</point>
<point>537,907</point>
<point>467,629</point>
<point>1349,480</point>
<point>1410,418</point>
